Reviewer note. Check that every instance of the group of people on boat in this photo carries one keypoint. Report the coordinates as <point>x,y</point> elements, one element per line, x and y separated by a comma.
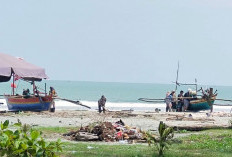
<point>26,94</point>
<point>179,103</point>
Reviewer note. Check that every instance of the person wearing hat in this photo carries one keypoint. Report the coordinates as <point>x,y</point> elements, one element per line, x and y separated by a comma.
<point>180,101</point>
<point>187,98</point>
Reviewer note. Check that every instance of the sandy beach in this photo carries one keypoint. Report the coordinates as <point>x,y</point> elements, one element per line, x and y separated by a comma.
<point>142,120</point>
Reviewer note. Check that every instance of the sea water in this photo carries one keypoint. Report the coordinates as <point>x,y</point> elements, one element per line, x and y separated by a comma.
<point>120,96</point>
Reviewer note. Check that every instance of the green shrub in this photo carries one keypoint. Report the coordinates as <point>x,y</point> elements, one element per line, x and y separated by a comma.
<point>25,142</point>
<point>163,140</point>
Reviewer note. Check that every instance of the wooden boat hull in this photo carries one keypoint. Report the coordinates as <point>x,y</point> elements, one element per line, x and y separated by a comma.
<point>19,103</point>
<point>200,104</point>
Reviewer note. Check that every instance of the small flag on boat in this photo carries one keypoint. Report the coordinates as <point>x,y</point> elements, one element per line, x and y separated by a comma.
<point>13,85</point>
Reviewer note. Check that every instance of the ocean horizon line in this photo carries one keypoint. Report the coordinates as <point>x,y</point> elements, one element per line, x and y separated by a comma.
<point>89,81</point>
<point>153,83</point>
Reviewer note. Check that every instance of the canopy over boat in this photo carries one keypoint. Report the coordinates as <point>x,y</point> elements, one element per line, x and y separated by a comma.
<point>21,68</point>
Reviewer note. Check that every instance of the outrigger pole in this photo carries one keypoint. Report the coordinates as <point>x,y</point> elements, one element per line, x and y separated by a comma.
<point>72,101</point>
<point>159,100</point>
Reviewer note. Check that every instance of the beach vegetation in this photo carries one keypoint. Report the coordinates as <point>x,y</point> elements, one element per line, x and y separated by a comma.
<point>161,142</point>
<point>21,140</point>
<point>182,131</point>
<point>53,130</point>
<point>208,143</point>
<point>100,149</point>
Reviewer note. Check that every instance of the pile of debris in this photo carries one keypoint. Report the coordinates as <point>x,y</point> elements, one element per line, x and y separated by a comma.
<point>106,131</point>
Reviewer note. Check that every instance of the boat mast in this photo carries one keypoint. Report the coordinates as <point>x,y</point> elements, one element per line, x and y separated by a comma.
<point>196,84</point>
<point>33,84</point>
<point>45,89</point>
<point>13,84</point>
<point>177,74</point>
<point>178,84</point>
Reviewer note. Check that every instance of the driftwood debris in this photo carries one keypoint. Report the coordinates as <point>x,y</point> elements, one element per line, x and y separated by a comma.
<point>200,128</point>
<point>85,136</point>
<point>184,118</point>
<point>106,131</point>
<point>123,114</point>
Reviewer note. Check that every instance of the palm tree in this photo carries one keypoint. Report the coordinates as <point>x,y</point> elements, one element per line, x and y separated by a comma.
<point>161,142</point>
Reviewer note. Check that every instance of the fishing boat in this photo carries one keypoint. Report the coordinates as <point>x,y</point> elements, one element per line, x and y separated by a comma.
<point>19,103</point>
<point>18,68</point>
<point>197,102</point>
<point>200,104</point>
<point>204,102</point>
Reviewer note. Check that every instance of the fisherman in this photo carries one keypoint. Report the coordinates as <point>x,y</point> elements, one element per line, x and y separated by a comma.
<point>180,101</point>
<point>36,91</point>
<point>26,93</point>
<point>52,93</point>
<point>187,97</point>
<point>173,101</point>
<point>101,104</point>
<point>168,101</point>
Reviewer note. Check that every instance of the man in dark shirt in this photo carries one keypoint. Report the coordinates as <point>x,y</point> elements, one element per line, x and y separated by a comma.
<point>101,104</point>
<point>180,101</point>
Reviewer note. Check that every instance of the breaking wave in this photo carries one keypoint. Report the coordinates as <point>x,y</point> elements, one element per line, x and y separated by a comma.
<point>115,106</point>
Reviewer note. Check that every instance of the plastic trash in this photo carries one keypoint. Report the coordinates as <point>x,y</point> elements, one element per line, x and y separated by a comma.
<point>89,147</point>
<point>123,141</point>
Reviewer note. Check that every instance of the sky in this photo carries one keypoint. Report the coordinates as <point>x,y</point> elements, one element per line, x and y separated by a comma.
<point>139,41</point>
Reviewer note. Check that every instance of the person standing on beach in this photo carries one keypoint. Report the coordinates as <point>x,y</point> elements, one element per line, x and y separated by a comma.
<point>180,101</point>
<point>53,94</point>
<point>168,101</point>
<point>187,98</point>
<point>101,104</point>
<point>174,100</point>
